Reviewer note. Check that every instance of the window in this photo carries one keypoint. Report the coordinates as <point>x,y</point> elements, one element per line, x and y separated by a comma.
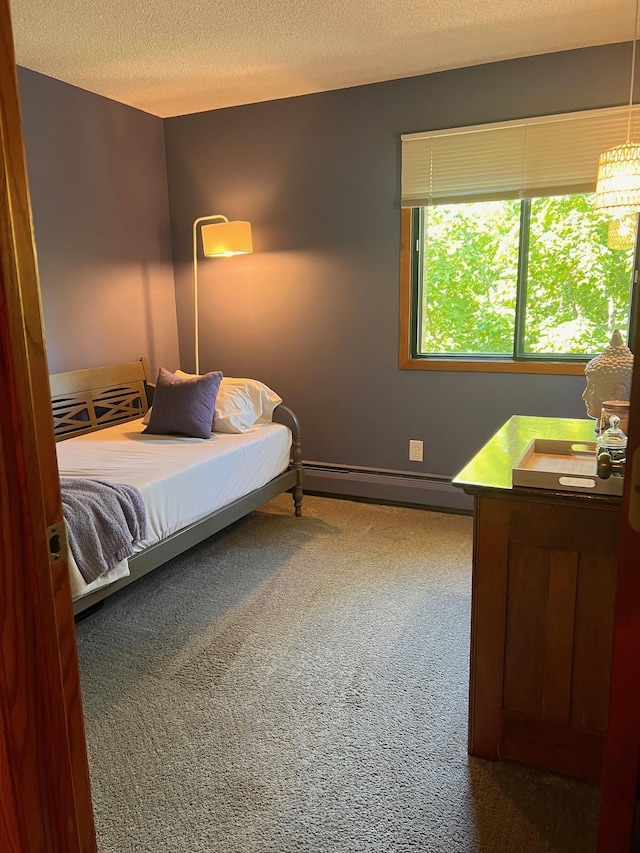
<point>531,278</point>
<point>501,270</point>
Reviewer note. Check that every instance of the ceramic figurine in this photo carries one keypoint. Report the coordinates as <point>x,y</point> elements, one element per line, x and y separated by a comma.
<point>608,376</point>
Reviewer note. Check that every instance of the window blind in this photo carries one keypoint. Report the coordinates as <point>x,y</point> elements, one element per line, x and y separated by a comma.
<point>527,158</point>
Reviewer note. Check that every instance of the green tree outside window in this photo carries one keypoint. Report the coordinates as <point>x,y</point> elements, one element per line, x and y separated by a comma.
<point>529,279</point>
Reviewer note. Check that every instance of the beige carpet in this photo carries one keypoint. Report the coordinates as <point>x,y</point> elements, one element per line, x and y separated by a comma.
<point>301,685</point>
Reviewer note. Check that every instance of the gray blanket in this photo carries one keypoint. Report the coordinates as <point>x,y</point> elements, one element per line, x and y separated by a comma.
<point>103,522</point>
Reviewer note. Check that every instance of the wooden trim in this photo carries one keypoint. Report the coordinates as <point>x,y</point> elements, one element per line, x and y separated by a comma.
<point>475,365</point>
<point>593,639</point>
<point>559,633</point>
<point>621,763</point>
<point>404,332</point>
<point>551,745</point>
<point>488,618</point>
<point>524,638</point>
<point>512,366</point>
<point>44,779</point>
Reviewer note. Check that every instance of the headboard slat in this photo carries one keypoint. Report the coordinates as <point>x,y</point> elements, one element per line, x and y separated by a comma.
<point>88,400</point>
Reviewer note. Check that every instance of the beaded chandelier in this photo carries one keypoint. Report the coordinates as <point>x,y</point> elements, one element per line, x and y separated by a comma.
<point>618,183</point>
<point>621,233</point>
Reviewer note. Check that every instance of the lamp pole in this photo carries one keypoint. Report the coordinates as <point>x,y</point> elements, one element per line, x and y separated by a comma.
<point>197,222</point>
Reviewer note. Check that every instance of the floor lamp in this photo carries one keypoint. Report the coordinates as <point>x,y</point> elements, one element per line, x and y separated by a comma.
<point>220,239</point>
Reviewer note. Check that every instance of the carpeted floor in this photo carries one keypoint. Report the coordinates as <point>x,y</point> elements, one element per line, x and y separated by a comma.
<point>301,685</point>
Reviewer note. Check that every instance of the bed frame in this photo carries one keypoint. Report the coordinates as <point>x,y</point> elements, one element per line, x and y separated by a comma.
<point>88,400</point>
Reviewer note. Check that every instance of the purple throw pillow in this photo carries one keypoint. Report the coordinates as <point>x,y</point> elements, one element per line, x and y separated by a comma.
<point>184,406</point>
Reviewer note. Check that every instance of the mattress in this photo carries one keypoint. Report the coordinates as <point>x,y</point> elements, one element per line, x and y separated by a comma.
<point>181,479</point>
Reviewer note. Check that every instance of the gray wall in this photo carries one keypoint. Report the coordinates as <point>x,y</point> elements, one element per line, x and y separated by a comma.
<point>314,311</point>
<point>98,185</point>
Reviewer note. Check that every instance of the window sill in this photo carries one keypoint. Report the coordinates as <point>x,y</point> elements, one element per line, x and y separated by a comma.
<point>506,365</point>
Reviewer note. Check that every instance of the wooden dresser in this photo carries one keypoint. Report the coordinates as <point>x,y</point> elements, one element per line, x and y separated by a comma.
<point>544,576</point>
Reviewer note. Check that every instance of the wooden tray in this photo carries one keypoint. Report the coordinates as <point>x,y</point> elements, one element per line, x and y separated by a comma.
<point>567,466</point>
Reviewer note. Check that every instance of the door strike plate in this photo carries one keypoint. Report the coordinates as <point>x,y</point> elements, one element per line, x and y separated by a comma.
<point>57,539</point>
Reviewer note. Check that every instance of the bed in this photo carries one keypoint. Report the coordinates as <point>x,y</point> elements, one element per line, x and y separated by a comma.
<point>98,422</point>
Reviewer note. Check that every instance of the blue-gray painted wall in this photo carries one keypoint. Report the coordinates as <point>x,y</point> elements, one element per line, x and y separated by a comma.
<point>314,311</point>
<point>98,186</point>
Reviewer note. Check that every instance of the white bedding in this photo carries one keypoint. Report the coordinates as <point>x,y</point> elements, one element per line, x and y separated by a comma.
<point>181,479</point>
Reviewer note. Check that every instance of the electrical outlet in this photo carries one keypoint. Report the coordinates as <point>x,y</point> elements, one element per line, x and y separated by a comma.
<point>415,451</point>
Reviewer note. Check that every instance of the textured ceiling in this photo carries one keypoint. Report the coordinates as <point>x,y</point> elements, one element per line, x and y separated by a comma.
<point>170,57</point>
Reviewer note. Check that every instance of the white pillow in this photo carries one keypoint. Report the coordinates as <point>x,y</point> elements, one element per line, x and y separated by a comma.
<point>241,403</point>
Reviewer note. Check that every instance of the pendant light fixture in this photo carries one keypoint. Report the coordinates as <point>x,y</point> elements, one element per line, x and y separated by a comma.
<point>618,183</point>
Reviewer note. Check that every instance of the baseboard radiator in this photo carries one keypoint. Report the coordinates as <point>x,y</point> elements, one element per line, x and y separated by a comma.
<point>380,484</point>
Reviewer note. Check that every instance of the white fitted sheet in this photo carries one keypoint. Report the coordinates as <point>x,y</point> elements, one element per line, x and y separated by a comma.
<point>181,479</point>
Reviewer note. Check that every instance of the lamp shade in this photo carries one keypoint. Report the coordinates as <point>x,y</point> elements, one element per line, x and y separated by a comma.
<point>618,183</point>
<point>226,239</point>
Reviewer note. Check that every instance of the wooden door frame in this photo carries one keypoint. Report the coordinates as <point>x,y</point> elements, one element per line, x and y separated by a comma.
<point>45,797</point>
<point>621,763</point>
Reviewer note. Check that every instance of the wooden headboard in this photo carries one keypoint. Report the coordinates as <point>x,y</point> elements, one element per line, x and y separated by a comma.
<point>88,400</point>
